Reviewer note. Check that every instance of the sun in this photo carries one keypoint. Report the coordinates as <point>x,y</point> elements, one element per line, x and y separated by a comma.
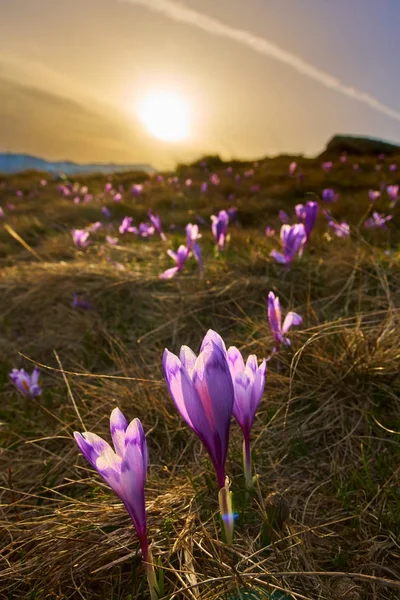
<point>165,115</point>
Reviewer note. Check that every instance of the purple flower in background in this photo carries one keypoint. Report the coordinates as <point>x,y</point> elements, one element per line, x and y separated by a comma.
<point>43,182</point>
<point>81,238</point>
<point>373,195</point>
<point>160,178</point>
<point>2,213</point>
<point>219,228</point>
<point>308,215</point>
<point>84,190</point>
<point>232,214</point>
<point>87,198</point>
<point>327,166</point>
<point>248,384</point>
<point>278,330</point>
<point>202,390</point>
<point>341,230</point>
<point>392,191</point>
<point>237,177</point>
<point>377,221</point>
<point>229,170</point>
<point>126,226</point>
<point>94,227</point>
<point>106,212</point>
<point>329,195</point>
<point>255,188</point>
<point>283,216</point>
<point>27,385</point>
<point>19,193</point>
<point>293,238</point>
<point>113,241</point>
<point>214,179</point>
<point>292,168</point>
<point>156,222</point>
<point>10,206</point>
<point>249,173</point>
<point>108,188</point>
<point>117,197</point>
<point>80,302</point>
<point>188,183</point>
<point>137,189</point>
<point>343,157</point>
<point>192,235</point>
<point>77,200</point>
<point>392,168</point>
<point>269,232</point>
<point>180,257</point>
<point>356,167</point>
<point>204,187</point>
<point>124,469</point>
<point>381,157</point>
<point>145,230</point>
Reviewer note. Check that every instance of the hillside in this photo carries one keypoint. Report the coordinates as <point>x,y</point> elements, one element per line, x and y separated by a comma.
<point>323,518</point>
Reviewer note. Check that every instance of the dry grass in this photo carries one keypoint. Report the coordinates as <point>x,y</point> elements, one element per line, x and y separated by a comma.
<point>326,436</point>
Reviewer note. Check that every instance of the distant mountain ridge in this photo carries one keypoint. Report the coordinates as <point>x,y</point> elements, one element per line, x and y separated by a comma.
<point>14,163</point>
<point>359,145</point>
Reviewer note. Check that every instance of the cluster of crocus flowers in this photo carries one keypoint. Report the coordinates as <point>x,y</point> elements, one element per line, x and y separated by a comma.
<point>377,221</point>
<point>219,228</point>
<point>293,238</point>
<point>80,238</point>
<point>307,214</point>
<point>278,330</point>
<point>27,385</point>
<point>124,469</point>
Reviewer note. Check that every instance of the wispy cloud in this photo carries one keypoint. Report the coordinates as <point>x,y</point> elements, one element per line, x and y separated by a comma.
<point>182,14</point>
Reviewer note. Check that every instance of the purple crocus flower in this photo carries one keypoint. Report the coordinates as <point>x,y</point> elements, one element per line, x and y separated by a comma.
<point>269,232</point>
<point>307,214</point>
<point>329,195</point>
<point>392,167</point>
<point>43,182</point>
<point>373,195</point>
<point>81,238</point>
<point>113,241</point>
<point>10,206</point>
<point>156,222</point>
<point>108,188</point>
<point>94,227</point>
<point>124,469</point>
<point>2,213</point>
<point>292,168</point>
<point>232,214</point>
<point>341,230</point>
<point>188,182</point>
<point>229,170</point>
<point>126,226</point>
<point>192,235</point>
<point>77,200</point>
<point>327,166</point>
<point>204,187</point>
<point>248,384</point>
<point>219,228</point>
<point>392,191</point>
<point>377,221</point>
<point>80,302</point>
<point>106,212</point>
<point>356,167</point>
<point>117,197</point>
<point>293,238</point>
<point>343,157</point>
<point>214,179</point>
<point>180,257</point>
<point>27,385</point>
<point>249,173</point>
<point>275,321</point>
<point>137,189</point>
<point>255,188</point>
<point>283,216</point>
<point>202,390</point>
<point>144,230</point>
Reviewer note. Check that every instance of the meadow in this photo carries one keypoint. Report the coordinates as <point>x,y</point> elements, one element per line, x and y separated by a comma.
<point>323,518</point>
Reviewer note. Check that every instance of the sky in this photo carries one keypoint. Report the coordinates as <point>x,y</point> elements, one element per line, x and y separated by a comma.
<point>251,77</point>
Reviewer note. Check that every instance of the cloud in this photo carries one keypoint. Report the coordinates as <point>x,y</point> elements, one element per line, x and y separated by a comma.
<point>182,14</point>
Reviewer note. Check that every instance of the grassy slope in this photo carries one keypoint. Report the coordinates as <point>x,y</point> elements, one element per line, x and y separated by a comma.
<point>325,436</point>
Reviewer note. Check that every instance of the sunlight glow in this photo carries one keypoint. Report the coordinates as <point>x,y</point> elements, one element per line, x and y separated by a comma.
<point>165,116</point>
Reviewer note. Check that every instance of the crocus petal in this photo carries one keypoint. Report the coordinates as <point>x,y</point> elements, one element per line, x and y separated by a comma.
<point>213,338</point>
<point>118,426</point>
<point>291,318</point>
<point>188,359</point>
<point>235,361</point>
<point>280,258</point>
<point>169,273</point>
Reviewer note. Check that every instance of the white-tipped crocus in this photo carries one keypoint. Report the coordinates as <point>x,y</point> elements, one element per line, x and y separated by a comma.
<point>307,214</point>
<point>124,469</point>
<point>219,228</point>
<point>80,238</point>
<point>248,383</point>
<point>278,330</point>
<point>202,390</point>
<point>293,238</point>
<point>192,235</point>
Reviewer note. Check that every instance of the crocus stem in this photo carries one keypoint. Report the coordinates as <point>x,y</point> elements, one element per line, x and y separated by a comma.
<point>225,507</point>
<point>151,577</point>
<point>247,463</point>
